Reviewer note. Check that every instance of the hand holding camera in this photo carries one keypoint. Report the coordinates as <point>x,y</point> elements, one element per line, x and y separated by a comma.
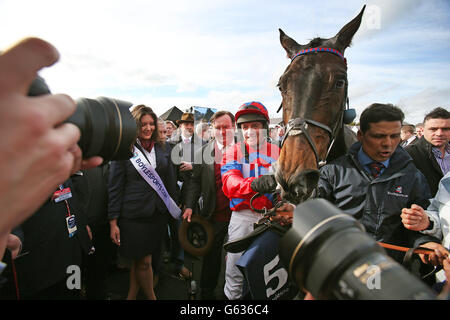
<point>46,137</point>
<point>37,150</point>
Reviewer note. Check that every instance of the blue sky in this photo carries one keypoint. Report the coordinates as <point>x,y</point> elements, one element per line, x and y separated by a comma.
<point>221,54</point>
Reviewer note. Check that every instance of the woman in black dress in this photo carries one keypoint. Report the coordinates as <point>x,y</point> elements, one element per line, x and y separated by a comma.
<point>138,216</point>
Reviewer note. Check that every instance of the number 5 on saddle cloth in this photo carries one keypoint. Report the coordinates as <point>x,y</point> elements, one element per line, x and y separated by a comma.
<point>266,278</point>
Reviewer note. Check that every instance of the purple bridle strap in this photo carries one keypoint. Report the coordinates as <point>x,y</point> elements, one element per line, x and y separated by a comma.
<point>330,50</point>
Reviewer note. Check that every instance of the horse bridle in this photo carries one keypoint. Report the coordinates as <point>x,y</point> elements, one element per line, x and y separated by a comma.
<point>297,126</point>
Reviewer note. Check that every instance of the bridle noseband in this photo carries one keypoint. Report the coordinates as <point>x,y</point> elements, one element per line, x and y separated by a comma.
<point>298,126</point>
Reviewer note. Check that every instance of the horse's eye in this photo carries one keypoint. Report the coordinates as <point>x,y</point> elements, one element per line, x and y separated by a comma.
<point>340,84</point>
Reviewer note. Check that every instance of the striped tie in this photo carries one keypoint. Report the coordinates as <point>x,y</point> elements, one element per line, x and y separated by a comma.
<point>375,168</point>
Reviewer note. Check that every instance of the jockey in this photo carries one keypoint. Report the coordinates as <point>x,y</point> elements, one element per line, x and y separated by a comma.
<point>245,169</point>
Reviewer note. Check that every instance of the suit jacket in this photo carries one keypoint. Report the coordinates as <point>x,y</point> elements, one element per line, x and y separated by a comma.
<point>202,183</point>
<point>92,187</point>
<point>47,249</point>
<point>425,161</point>
<point>404,144</point>
<point>130,196</point>
<point>182,153</point>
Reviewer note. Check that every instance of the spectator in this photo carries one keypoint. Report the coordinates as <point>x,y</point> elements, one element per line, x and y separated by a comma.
<point>183,151</point>
<point>162,129</point>
<point>431,154</point>
<point>407,135</point>
<point>171,132</point>
<point>244,168</point>
<point>203,131</point>
<point>92,186</point>
<point>54,240</point>
<point>34,125</point>
<point>280,133</point>
<point>273,134</point>
<point>206,182</point>
<point>419,130</point>
<point>435,220</point>
<point>138,212</point>
<point>376,179</point>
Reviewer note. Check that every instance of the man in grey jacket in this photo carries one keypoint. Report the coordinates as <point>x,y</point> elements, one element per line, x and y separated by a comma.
<point>376,179</point>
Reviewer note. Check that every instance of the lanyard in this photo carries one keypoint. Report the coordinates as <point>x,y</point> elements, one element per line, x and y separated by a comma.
<point>61,188</point>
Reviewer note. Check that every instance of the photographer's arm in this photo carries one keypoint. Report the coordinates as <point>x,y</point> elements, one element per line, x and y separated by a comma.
<point>37,152</point>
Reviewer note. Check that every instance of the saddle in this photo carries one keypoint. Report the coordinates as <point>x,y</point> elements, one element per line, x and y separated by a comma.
<point>259,228</point>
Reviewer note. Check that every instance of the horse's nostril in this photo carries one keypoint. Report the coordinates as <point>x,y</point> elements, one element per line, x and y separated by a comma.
<point>312,178</point>
<point>301,186</point>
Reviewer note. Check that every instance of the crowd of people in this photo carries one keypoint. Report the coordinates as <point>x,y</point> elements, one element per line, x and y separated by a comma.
<point>61,212</point>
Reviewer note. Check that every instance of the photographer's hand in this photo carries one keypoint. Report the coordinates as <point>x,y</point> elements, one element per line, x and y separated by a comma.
<point>37,152</point>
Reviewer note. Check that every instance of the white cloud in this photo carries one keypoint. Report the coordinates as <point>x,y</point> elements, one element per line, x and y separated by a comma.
<point>224,53</point>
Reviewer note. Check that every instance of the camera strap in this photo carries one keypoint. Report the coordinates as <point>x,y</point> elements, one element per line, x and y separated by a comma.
<point>149,174</point>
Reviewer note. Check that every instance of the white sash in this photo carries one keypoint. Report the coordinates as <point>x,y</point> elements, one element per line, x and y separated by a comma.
<point>151,176</point>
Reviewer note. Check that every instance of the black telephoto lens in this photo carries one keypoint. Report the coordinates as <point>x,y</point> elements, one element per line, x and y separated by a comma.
<point>329,254</point>
<point>107,128</point>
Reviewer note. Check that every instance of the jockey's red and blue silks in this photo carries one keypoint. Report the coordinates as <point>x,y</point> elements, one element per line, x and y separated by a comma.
<point>239,172</point>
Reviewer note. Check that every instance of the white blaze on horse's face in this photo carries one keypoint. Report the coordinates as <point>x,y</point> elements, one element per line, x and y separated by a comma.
<point>253,133</point>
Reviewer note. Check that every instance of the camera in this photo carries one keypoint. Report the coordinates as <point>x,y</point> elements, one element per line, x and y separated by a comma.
<point>107,127</point>
<point>329,254</point>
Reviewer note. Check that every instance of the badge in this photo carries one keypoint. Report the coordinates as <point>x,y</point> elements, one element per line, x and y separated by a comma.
<point>71,225</point>
<point>60,195</point>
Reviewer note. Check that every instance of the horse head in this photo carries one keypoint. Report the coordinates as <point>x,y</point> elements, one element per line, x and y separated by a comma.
<point>314,91</point>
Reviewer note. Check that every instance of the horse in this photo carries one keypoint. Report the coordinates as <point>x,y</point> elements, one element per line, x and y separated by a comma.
<point>315,108</point>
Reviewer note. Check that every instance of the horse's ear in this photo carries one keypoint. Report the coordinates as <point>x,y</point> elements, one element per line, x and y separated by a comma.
<point>345,35</point>
<point>289,44</point>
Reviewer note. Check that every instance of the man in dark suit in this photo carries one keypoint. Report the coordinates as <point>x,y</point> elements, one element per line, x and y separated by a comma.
<point>183,150</point>
<point>407,135</point>
<point>206,186</point>
<point>54,240</point>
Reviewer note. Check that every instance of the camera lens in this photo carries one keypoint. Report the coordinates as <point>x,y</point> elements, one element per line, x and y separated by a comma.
<point>329,254</point>
<point>107,128</point>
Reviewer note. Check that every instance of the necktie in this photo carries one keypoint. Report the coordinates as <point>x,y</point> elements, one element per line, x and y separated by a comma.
<point>375,168</point>
<point>186,141</point>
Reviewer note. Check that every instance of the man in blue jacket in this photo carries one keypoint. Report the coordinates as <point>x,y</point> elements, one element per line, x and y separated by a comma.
<point>376,179</point>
